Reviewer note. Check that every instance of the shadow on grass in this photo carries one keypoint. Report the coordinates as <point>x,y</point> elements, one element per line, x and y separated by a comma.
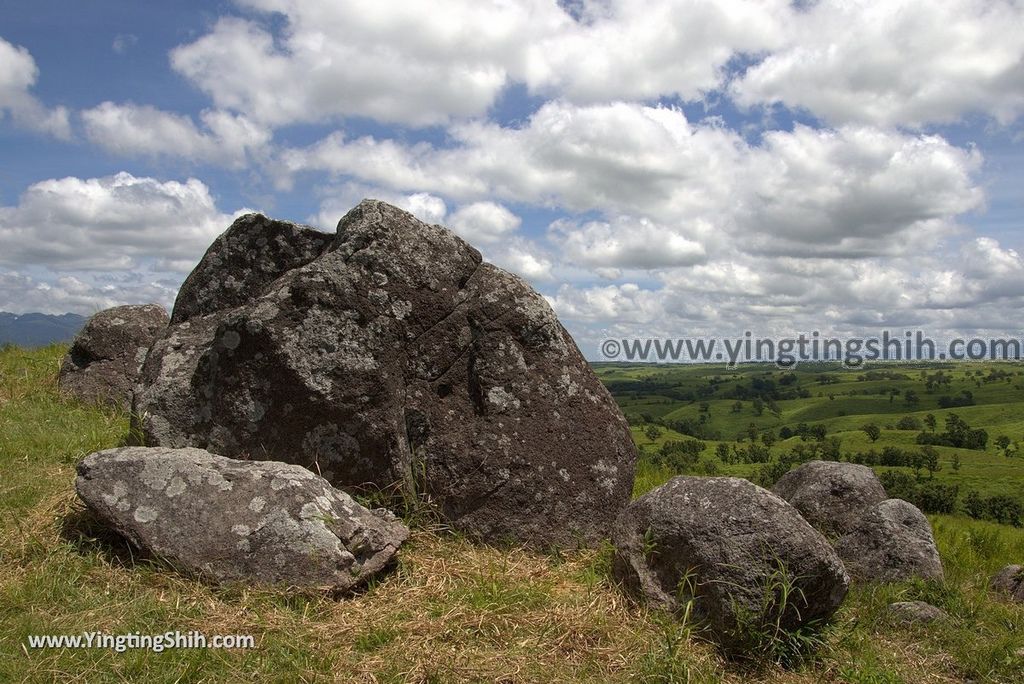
<point>88,536</point>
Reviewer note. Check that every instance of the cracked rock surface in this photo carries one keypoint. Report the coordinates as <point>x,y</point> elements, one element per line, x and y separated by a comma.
<point>390,355</point>
<point>107,355</point>
<point>230,520</point>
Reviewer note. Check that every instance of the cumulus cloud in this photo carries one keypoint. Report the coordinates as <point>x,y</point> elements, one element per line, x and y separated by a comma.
<point>134,130</point>
<point>112,224</point>
<point>896,62</point>
<point>484,222</point>
<point>621,50</point>
<point>394,61</point>
<point>82,293</point>
<point>18,73</point>
<point>423,64</point>
<point>338,200</point>
<point>678,187</point>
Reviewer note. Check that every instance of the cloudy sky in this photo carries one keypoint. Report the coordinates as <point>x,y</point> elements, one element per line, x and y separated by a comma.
<point>656,167</point>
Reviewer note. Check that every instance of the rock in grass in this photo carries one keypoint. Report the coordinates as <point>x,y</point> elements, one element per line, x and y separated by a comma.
<point>391,356</point>
<point>106,356</point>
<point>731,547</point>
<point>916,612</point>
<point>229,520</point>
<point>832,496</point>
<point>1009,582</point>
<point>893,542</point>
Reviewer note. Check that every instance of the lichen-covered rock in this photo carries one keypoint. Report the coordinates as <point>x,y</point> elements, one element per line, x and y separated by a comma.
<point>892,542</point>
<point>1009,582</point>
<point>916,613</point>
<point>395,358</point>
<point>226,520</point>
<point>249,255</point>
<point>832,496</point>
<point>725,544</point>
<point>106,357</point>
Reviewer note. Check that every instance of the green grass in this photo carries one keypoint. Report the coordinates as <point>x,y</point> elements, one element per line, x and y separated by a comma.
<point>644,389</point>
<point>451,612</point>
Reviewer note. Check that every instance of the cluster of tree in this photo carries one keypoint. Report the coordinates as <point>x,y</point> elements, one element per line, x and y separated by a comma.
<point>804,431</point>
<point>998,508</point>
<point>881,375</point>
<point>931,381</point>
<point>908,423</point>
<point>930,497</point>
<point>957,434</point>
<point>965,398</point>
<point>684,457</point>
<point>926,458</point>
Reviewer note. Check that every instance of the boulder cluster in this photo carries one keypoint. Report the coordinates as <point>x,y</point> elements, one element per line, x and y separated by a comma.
<point>299,370</point>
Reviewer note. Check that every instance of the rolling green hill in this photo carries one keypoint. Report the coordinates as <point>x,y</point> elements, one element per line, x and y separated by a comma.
<point>719,406</point>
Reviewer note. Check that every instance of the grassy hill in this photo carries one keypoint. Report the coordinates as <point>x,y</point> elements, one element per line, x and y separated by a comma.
<point>453,611</point>
<point>842,402</point>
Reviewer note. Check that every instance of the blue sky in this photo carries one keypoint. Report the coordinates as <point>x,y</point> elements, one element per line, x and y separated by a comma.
<point>670,168</point>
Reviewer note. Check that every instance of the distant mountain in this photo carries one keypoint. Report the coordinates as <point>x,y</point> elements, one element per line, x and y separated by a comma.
<point>36,329</point>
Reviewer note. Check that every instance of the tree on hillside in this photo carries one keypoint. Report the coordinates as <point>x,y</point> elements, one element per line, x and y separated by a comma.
<point>931,460</point>
<point>910,397</point>
<point>737,407</point>
<point>929,420</point>
<point>955,463</point>
<point>758,404</point>
<point>1003,442</point>
<point>652,432</point>
<point>872,431</point>
<point>722,451</point>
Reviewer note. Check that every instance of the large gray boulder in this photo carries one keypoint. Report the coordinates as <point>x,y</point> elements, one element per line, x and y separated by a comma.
<point>390,356</point>
<point>832,496</point>
<point>893,542</point>
<point>229,520</point>
<point>106,357</point>
<point>1009,583</point>
<point>725,543</point>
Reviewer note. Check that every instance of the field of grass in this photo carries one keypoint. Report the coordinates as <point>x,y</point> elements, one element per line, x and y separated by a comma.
<point>840,400</point>
<point>451,612</point>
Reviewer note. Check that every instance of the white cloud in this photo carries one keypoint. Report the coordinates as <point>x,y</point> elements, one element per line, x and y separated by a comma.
<point>522,257</point>
<point>338,200</point>
<point>642,50</point>
<point>18,73</point>
<point>429,63</point>
<point>852,191</point>
<point>394,61</point>
<point>226,139</point>
<point>113,223</point>
<point>626,242</point>
<point>484,222</point>
<point>896,62</point>
<point>82,293</point>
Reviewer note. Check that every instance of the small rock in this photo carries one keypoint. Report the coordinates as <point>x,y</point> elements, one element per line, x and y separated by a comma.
<point>892,543</point>
<point>1010,583</point>
<point>721,541</point>
<point>916,612</point>
<point>832,496</point>
<point>230,520</point>
<point>106,357</point>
